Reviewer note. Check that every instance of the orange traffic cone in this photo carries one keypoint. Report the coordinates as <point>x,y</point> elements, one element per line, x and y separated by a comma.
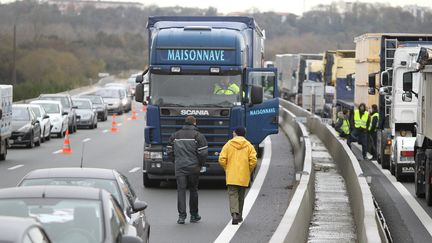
<point>134,117</point>
<point>66,144</point>
<point>114,124</point>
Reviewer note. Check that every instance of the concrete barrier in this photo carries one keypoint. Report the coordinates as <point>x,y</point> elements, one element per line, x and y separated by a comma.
<point>295,224</point>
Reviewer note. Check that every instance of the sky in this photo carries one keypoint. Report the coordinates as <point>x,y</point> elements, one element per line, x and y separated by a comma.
<point>291,6</point>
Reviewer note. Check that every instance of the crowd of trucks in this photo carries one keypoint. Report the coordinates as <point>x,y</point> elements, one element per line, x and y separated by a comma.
<point>376,72</point>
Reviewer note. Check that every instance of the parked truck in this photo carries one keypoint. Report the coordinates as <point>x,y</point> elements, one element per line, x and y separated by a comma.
<point>190,58</point>
<point>6,92</point>
<point>419,73</point>
<point>286,65</point>
<point>375,59</point>
<point>338,74</point>
<point>308,69</point>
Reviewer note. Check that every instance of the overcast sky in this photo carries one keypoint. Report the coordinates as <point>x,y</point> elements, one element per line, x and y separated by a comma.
<point>292,6</point>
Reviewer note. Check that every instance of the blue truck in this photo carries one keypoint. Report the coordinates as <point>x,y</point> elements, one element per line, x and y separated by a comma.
<point>190,59</point>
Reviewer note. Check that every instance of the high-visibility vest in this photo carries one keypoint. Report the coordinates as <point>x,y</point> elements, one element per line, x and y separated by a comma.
<point>360,122</point>
<point>376,114</point>
<point>345,126</point>
<point>231,90</point>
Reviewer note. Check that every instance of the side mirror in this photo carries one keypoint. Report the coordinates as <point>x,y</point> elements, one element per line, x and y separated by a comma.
<point>75,107</point>
<point>372,84</point>
<point>256,94</point>
<point>385,90</point>
<point>407,81</point>
<point>140,78</point>
<point>130,239</point>
<point>45,117</point>
<point>65,113</point>
<point>385,79</point>
<point>407,97</point>
<point>139,92</point>
<point>36,121</point>
<point>139,206</point>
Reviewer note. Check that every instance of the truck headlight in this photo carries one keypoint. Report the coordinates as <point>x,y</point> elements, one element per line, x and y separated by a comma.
<point>152,155</point>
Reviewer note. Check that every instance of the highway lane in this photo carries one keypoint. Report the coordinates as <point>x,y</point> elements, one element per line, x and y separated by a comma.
<point>123,151</point>
<point>404,224</point>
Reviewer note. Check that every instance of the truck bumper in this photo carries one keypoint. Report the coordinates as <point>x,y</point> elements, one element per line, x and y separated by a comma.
<point>164,170</point>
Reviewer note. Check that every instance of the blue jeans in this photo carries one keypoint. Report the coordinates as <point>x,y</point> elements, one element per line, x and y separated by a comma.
<point>359,135</point>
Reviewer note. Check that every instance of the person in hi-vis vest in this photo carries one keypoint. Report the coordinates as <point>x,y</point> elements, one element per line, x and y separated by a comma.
<point>372,130</point>
<point>342,125</point>
<point>226,87</point>
<point>360,132</point>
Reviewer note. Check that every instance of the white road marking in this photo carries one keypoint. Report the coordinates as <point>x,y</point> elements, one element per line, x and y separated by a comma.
<point>105,131</point>
<point>58,151</point>
<point>135,170</point>
<point>230,230</point>
<point>86,140</point>
<point>409,198</point>
<point>15,167</point>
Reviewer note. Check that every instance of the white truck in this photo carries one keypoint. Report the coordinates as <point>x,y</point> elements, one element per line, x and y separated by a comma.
<point>286,65</point>
<point>6,92</point>
<point>402,115</point>
<point>421,76</point>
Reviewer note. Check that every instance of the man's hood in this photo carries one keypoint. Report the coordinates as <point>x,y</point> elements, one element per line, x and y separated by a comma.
<point>239,142</point>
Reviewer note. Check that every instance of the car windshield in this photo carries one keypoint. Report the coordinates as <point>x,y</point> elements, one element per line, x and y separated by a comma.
<point>20,114</point>
<point>36,111</point>
<point>63,100</point>
<point>65,220</point>
<point>108,185</point>
<point>82,104</point>
<point>50,108</point>
<point>94,99</point>
<point>108,93</point>
<point>195,90</point>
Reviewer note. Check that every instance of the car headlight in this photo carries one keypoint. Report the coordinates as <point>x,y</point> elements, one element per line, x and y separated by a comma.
<point>152,155</point>
<point>25,128</point>
<point>124,101</point>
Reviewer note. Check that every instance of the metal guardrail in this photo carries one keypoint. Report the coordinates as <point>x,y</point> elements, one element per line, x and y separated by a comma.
<point>298,214</point>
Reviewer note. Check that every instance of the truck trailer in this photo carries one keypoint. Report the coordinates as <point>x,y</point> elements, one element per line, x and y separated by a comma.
<point>6,92</point>
<point>286,65</point>
<point>189,57</point>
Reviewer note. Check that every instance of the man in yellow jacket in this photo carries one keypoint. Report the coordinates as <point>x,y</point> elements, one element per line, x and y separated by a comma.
<point>238,158</point>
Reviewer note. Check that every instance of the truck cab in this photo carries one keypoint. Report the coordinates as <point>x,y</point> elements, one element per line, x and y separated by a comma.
<point>211,68</point>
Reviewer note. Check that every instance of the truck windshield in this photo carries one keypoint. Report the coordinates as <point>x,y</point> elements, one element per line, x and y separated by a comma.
<point>195,90</point>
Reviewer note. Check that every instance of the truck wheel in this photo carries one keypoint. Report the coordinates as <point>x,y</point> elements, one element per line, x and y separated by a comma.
<point>398,174</point>
<point>428,174</point>
<point>391,168</point>
<point>149,183</point>
<point>418,180</point>
<point>3,155</point>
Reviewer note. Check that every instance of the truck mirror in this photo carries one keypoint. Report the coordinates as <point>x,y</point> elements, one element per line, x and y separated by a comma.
<point>407,81</point>
<point>371,91</point>
<point>407,97</point>
<point>385,79</point>
<point>256,94</point>
<point>139,92</point>
<point>372,81</point>
<point>139,79</point>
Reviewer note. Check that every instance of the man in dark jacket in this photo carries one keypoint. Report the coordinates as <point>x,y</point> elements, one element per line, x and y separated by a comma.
<point>372,130</point>
<point>188,149</point>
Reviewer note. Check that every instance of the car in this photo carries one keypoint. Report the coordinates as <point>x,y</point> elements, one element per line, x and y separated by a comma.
<point>59,119</point>
<point>127,97</point>
<point>111,180</point>
<point>87,115</point>
<point>70,213</point>
<point>66,101</point>
<point>114,99</point>
<point>44,121</point>
<point>132,84</point>
<point>22,230</point>
<point>26,129</point>
<point>99,105</point>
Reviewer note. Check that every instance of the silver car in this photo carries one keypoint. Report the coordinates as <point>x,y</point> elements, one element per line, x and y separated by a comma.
<point>86,115</point>
<point>44,121</point>
<point>113,98</point>
<point>126,96</point>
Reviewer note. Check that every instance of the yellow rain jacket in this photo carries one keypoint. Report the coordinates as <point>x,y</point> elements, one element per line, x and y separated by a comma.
<point>238,158</point>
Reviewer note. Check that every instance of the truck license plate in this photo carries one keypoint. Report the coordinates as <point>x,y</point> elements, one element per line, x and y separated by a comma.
<point>387,151</point>
<point>407,169</point>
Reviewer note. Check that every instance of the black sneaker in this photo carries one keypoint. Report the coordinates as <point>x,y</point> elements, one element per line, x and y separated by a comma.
<point>240,219</point>
<point>195,218</point>
<point>180,221</point>
<point>235,218</point>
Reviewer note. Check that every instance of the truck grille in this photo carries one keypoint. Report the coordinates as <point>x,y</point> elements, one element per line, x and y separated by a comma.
<point>215,129</point>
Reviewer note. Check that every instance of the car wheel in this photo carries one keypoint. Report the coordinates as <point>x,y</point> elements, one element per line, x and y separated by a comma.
<point>42,136</point>
<point>71,129</point>
<point>3,156</point>
<point>31,142</point>
<point>49,136</point>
